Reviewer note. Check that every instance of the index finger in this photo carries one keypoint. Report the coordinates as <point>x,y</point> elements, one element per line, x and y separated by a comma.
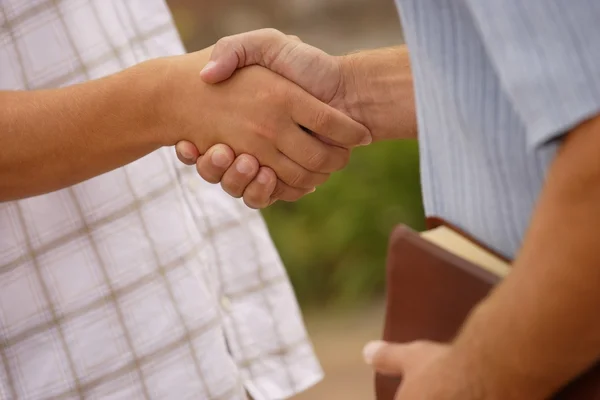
<point>187,152</point>
<point>327,122</point>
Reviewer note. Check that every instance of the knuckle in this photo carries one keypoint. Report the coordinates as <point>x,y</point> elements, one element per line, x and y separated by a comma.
<point>272,35</point>
<point>231,45</point>
<point>224,43</point>
<point>271,32</point>
<point>300,179</point>
<point>206,174</point>
<point>233,187</point>
<point>328,160</point>
<point>282,95</point>
<point>322,121</point>
<point>267,130</point>
<point>254,200</point>
<point>317,161</point>
<point>252,205</point>
<point>232,191</point>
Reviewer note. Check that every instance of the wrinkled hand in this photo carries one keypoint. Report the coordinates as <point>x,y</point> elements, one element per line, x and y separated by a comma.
<point>317,72</point>
<point>429,371</point>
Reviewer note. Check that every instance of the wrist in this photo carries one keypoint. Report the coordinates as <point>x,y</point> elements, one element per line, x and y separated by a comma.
<point>353,98</point>
<point>150,112</point>
<point>177,93</point>
<point>378,92</point>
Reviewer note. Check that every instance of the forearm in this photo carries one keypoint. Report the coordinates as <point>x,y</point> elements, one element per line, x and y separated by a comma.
<point>380,92</point>
<point>52,139</point>
<point>540,328</point>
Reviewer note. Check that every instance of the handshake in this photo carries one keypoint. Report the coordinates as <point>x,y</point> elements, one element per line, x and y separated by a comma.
<point>269,117</point>
<point>274,118</point>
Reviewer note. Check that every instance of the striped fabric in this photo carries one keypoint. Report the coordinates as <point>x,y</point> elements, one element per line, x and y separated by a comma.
<point>497,84</point>
<point>145,282</point>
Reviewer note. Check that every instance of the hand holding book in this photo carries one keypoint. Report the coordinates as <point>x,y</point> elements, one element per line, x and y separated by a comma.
<point>434,280</point>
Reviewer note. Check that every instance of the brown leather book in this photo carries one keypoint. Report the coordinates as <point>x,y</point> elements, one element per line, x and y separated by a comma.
<point>434,279</point>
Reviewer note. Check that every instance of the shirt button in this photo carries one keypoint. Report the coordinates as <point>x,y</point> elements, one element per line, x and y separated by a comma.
<point>226,303</point>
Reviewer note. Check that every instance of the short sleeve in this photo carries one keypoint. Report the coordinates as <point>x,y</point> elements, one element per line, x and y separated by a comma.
<point>547,56</point>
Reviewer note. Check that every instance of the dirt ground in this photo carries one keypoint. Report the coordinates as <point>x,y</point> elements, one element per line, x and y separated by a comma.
<point>339,339</point>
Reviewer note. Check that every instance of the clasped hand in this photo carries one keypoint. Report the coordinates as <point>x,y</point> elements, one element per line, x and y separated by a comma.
<point>276,130</point>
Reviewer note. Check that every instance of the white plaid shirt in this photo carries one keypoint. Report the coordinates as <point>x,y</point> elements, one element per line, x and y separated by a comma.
<point>145,282</point>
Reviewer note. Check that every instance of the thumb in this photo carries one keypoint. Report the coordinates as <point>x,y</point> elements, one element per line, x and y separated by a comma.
<point>242,50</point>
<point>387,358</point>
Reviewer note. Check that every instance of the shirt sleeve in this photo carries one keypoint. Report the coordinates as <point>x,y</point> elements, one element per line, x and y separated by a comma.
<point>547,56</point>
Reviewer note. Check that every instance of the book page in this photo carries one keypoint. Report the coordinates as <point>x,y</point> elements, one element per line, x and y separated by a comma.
<point>460,246</point>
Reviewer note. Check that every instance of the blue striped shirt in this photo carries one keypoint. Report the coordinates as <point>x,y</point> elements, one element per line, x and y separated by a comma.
<point>497,85</point>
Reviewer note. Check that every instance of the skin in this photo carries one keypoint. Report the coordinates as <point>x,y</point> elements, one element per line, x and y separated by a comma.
<point>539,328</point>
<point>91,128</point>
<point>372,87</point>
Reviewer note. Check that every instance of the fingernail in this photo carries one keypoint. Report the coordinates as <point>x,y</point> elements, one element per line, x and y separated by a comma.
<point>366,141</point>
<point>187,155</point>
<point>263,178</point>
<point>219,158</point>
<point>313,190</point>
<point>371,349</point>
<point>243,166</point>
<point>210,65</point>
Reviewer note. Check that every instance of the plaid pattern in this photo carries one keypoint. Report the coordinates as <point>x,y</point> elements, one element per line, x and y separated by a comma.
<point>145,282</point>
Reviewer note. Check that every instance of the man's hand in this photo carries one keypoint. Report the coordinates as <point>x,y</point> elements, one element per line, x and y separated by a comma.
<point>269,111</point>
<point>429,371</point>
<point>373,87</point>
<point>320,74</point>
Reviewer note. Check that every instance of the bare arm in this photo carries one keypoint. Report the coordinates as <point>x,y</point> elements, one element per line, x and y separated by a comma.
<point>53,139</point>
<point>541,327</point>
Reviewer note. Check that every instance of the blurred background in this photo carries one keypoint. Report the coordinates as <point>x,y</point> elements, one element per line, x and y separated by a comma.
<point>333,242</point>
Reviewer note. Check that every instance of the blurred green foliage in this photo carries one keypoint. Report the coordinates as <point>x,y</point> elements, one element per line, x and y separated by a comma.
<point>334,241</point>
